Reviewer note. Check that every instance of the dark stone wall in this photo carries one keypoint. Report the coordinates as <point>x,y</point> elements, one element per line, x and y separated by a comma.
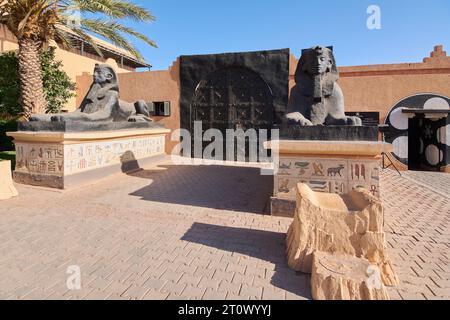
<point>272,66</point>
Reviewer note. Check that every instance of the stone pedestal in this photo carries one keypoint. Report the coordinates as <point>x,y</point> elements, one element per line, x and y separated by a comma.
<point>325,166</point>
<point>67,159</point>
<point>7,189</point>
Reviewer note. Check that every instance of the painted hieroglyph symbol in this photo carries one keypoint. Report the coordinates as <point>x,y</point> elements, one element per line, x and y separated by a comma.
<point>284,186</point>
<point>318,170</point>
<point>333,172</point>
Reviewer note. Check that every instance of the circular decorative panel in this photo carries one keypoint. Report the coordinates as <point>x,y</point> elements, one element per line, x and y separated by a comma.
<point>432,143</point>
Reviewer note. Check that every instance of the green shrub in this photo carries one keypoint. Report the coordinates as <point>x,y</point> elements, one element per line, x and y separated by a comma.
<point>9,155</point>
<point>6,143</point>
<point>58,87</point>
<point>9,84</point>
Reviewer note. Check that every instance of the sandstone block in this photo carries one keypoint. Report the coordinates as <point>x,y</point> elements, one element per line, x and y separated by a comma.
<point>7,189</point>
<point>348,225</point>
<point>339,277</point>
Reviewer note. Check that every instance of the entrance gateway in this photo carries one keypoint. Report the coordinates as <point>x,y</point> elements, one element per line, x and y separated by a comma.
<point>419,131</point>
<point>234,91</point>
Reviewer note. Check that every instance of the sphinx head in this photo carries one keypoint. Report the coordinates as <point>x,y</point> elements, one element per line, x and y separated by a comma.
<point>318,61</point>
<point>104,74</point>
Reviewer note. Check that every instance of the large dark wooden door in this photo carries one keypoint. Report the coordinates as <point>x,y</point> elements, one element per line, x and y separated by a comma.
<point>233,98</point>
<point>414,138</point>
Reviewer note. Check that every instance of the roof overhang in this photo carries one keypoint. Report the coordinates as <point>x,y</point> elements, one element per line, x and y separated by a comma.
<point>426,113</point>
<point>109,50</point>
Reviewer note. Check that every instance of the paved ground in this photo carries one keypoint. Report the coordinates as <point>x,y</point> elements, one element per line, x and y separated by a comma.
<point>418,231</point>
<point>199,233</point>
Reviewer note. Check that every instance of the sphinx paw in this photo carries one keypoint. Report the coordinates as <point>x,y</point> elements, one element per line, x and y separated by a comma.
<point>139,118</point>
<point>298,119</point>
<point>354,121</point>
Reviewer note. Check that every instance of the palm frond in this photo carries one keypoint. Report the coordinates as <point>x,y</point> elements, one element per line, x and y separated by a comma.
<point>41,20</point>
<point>116,9</point>
<point>111,31</point>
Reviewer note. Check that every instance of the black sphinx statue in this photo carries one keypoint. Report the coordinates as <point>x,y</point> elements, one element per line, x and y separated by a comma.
<point>101,108</point>
<point>317,99</point>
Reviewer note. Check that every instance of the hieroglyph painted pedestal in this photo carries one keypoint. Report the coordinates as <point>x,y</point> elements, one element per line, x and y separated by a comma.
<point>325,166</point>
<point>63,160</point>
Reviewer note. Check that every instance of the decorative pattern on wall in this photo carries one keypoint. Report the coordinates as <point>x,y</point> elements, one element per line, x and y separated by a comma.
<point>63,160</point>
<point>434,138</point>
<point>326,175</point>
<point>45,159</point>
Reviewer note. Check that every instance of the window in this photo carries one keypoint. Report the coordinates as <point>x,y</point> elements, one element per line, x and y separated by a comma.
<point>160,109</point>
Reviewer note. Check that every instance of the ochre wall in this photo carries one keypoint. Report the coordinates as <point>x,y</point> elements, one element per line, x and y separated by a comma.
<point>366,88</point>
<point>148,86</point>
<point>74,64</point>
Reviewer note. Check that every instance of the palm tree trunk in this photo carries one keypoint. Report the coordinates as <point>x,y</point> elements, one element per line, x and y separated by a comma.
<point>30,72</point>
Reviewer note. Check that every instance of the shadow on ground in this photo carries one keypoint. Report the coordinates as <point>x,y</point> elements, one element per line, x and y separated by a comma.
<point>241,189</point>
<point>264,245</point>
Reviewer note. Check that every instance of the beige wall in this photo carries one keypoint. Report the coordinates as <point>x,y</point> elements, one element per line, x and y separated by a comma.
<point>74,64</point>
<point>7,40</point>
<point>149,86</point>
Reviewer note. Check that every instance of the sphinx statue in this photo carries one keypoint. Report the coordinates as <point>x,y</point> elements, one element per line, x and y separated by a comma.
<point>102,103</point>
<point>317,99</point>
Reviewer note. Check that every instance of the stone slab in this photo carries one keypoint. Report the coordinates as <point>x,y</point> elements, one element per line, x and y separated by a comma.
<point>330,133</point>
<point>75,126</point>
<point>330,148</point>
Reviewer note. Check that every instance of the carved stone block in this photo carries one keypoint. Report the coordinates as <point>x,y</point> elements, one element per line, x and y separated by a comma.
<point>338,277</point>
<point>351,225</point>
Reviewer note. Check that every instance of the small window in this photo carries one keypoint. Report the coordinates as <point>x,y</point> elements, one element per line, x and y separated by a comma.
<point>160,109</point>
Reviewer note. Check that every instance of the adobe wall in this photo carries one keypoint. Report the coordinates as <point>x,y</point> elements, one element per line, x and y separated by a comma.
<point>366,88</point>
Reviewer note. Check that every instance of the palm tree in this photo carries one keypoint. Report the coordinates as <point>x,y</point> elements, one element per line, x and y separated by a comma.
<point>36,22</point>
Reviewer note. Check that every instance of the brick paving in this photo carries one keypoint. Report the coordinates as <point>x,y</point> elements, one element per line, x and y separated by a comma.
<point>180,232</point>
<point>417,209</point>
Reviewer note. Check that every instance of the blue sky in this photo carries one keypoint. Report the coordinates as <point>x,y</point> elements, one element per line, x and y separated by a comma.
<point>410,28</point>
